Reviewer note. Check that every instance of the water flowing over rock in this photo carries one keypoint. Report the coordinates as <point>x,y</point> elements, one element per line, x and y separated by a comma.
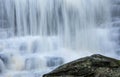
<point>91,66</point>
<point>73,22</point>
<point>37,36</point>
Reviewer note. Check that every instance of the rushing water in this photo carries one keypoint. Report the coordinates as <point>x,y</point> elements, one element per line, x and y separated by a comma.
<point>36,36</point>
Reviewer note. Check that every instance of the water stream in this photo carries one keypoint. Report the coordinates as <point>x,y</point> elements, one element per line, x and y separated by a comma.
<point>36,36</point>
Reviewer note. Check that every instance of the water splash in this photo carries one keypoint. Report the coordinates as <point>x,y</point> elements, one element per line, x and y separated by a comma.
<point>38,35</point>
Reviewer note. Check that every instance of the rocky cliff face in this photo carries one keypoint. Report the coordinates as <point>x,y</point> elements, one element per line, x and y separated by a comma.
<point>91,66</point>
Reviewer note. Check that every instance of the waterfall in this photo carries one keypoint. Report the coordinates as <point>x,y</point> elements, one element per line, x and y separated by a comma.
<point>38,35</point>
<point>73,22</point>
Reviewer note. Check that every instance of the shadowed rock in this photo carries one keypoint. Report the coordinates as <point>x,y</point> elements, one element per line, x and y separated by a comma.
<point>92,66</point>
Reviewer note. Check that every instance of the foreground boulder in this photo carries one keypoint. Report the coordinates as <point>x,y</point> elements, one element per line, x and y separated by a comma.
<point>92,66</point>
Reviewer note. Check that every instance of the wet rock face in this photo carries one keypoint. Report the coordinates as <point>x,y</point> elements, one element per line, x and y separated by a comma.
<point>91,66</point>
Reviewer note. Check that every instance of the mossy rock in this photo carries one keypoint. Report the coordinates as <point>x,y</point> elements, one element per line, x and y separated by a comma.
<point>91,66</point>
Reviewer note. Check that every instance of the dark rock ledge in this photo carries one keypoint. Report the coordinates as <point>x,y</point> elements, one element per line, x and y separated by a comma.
<point>91,66</point>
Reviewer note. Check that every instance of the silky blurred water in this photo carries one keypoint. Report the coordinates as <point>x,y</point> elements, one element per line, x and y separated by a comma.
<point>37,36</point>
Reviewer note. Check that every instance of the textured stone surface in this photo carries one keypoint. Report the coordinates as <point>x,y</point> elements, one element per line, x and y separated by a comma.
<point>91,66</point>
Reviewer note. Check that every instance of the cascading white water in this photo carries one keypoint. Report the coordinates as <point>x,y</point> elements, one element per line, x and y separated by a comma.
<point>73,22</point>
<point>38,35</point>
